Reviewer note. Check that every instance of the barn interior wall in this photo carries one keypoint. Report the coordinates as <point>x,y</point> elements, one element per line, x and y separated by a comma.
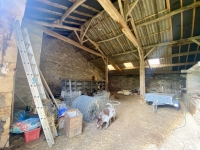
<point>169,83</point>
<point>193,90</point>
<point>59,60</point>
<point>9,12</point>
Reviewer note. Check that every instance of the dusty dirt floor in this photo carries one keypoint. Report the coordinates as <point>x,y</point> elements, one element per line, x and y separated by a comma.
<point>137,128</point>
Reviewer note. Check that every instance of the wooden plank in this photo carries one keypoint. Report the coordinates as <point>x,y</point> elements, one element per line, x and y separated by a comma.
<point>121,8</point>
<point>131,6</point>
<point>109,59</point>
<point>53,25</point>
<point>142,79</point>
<point>65,39</point>
<point>56,13</point>
<point>151,50</point>
<point>169,19</point>
<point>183,42</point>
<point>71,9</point>
<point>47,2</point>
<point>112,11</point>
<point>86,29</point>
<point>111,38</point>
<point>195,41</point>
<point>172,13</point>
<point>90,8</point>
<point>106,75</point>
<point>77,36</point>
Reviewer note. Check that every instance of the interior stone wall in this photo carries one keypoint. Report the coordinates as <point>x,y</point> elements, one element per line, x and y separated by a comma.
<point>59,60</point>
<point>170,83</point>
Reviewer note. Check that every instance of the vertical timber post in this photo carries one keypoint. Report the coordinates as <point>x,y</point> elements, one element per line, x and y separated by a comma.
<point>106,75</point>
<point>142,78</point>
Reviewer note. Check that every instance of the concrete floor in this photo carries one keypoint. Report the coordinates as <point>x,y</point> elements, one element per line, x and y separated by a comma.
<point>136,128</point>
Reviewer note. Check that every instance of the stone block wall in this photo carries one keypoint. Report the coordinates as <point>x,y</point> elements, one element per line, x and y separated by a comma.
<point>160,83</point>
<point>60,61</point>
<point>193,94</point>
<point>9,12</point>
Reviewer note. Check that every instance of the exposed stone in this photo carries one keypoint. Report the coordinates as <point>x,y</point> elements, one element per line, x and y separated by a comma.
<point>60,61</point>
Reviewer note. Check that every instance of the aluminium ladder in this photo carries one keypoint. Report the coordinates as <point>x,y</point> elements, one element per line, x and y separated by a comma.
<point>33,77</point>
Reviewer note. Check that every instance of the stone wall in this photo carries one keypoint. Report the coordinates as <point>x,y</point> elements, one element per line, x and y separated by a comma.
<point>22,88</point>
<point>60,61</point>
<point>159,83</point>
<point>9,11</point>
<point>193,94</point>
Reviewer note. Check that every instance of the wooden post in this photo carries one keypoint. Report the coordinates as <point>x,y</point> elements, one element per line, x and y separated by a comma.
<point>142,78</point>
<point>106,75</point>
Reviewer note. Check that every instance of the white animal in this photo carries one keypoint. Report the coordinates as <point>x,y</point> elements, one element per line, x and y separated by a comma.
<point>105,116</point>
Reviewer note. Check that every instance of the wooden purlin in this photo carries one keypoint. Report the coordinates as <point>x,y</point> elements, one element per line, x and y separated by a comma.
<point>109,59</point>
<point>71,9</point>
<point>172,13</point>
<point>112,11</point>
<point>182,41</point>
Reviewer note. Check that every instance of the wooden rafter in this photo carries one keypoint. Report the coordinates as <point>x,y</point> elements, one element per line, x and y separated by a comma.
<point>195,41</point>
<point>109,59</point>
<point>169,19</point>
<point>65,39</point>
<point>53,25</point>
<point>47,2</point>
<point>172,13</point>
<point>150,51</point>
<point>112,11</point>
<point>156,57</point>
<point>131,6</point>
<point>121,8</point>
<point>56,13</point>
<point>182,41</point>
<point>71,9</point>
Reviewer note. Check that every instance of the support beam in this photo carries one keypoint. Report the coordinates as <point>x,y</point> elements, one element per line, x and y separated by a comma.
<point>195,41</point>
<point>142,79</point>
<point>65,39</point>
<point>71,9</point>
<point>131,6</point>
<point>110,38</point>
<point>53,25</point>
<point>151,50</point>
<point>86,29</point>
<point>121,7</point>
<point>106,75</point>
<point>114,14</point>
<point>109,59</point>
<point>188,7</point>
<point>182,42</point>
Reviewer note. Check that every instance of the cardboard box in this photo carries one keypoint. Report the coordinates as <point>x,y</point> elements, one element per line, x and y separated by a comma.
<point>73,123</point>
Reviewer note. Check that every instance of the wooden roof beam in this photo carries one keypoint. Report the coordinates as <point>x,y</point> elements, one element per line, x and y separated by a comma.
<point>109,59</point>
<point>195,41</point>
<point>131,6</point>
<point>172,13</point>
<point>182,41</point>
<point>53,25</point>
<point>65,39</point>
<point>114,14</point>
<point>71,9</point>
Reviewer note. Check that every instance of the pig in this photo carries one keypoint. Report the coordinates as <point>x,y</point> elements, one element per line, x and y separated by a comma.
<point>105,116</point>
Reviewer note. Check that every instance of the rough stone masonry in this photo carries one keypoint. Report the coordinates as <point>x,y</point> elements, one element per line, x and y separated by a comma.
<point>60,61</point>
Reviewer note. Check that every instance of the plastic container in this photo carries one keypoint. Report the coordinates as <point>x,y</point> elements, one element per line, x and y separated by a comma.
<point>32,135</point>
